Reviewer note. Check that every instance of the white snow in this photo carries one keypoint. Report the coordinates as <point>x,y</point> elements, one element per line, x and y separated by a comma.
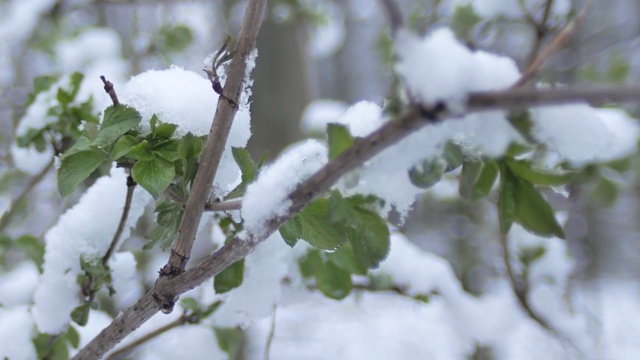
<point>18,285</point>
<point>19,18</point>
<point>319,113</point>
<point>267,196</point>
<point>264,271</point>
<point>439,68</point>
<point>326,37</point>
<point>386,175</point>
<point>362,118</point>
<point>79,234</point>
<point>198,341</point>
<point>16,331</point>
<point>185,98</point>
<point>582,135</point>
<point>176,96</point>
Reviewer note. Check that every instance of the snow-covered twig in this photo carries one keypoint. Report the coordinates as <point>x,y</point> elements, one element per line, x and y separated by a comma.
<point>215,145</point>
<point>167,288</point>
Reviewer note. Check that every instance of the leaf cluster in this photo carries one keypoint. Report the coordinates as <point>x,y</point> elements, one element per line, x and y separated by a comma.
<point>56,347</point>
<point>356,238</point>
<point>69,115</point>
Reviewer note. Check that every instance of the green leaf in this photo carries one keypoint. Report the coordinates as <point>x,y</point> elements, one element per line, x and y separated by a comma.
<point>96,275</point>
<point>464,20</point>
<point>59,351</point>
<point>167,149</point>
<point>117,121</point>
<point>230,340</point>
<point>189,149</point>
<point>175,38</point>
<point>291,232</point>
<point>310,263</point>
<point>453,155</point>
<point>507,199</point>
<point>76,167</point>
<point>155,176</point>
<point>339,208</point>
<point>72,336</point>
<point>619,68</point>
<point>522,122</point>
<point>246,164</point>
<point>529,255</point>
<point>427,173</point>
<point>524,170</point>
<point>606,192</point>
<point>345,260</point>
<point>531,209</point>
<point>370,239</point>
<point>123,146</point>
<point>485,181</point>
<point>190,304</point>
<point>64,97</point>
<point>333,282</point>
<point>477,179</point>
<point>229,278</point>
<point>33,247</point>
<point>317,229</point>
<point>339,139</point>
<point>165,131</point>
<point>81,314</point>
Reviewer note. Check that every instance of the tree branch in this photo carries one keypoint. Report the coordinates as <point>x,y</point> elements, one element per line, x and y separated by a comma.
<point>168,288</point>
<point>214,147</point>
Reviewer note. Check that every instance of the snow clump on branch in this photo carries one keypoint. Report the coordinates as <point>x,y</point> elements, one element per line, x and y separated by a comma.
<point>438,68</point>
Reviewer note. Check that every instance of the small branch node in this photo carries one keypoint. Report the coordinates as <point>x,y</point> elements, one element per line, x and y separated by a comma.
<point>109,89</point>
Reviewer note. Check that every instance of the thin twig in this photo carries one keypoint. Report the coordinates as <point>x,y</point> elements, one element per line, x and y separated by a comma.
<point>11,212</point>
<point>168,288</point>
<point>109,89</point>
<point>272,331</point>
<point>524,97</point>
<point>214,147</point>
<point>555,45</point>
<point>131,185</point>
<point>223,206</point>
